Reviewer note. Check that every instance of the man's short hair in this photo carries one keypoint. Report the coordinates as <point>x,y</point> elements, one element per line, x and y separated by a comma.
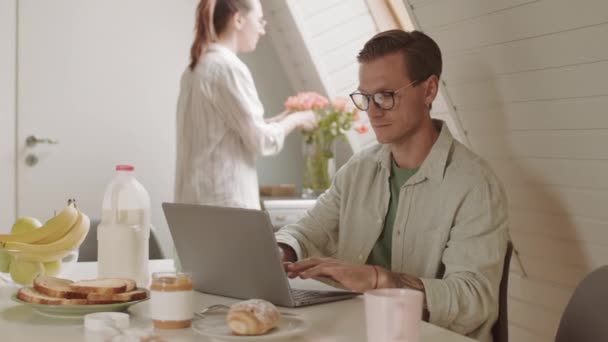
<point>421,53</point>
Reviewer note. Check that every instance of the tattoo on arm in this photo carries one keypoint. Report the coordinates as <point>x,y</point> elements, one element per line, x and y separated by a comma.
<point>402,280</point>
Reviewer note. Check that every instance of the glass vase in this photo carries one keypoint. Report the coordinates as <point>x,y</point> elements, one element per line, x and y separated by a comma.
<point>318,165</point>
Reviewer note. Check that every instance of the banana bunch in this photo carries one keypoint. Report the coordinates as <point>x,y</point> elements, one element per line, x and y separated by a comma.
<point>38,249</point>
<point>52,230</point>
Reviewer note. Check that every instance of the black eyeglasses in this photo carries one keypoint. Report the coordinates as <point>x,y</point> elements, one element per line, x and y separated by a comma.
<point>384,100</point>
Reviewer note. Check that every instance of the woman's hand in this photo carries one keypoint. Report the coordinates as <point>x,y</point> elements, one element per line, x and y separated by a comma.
<point>305,120</point>
<point>299,120</point>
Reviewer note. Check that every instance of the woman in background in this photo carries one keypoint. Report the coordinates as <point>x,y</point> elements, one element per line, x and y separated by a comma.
<point>220,120</point>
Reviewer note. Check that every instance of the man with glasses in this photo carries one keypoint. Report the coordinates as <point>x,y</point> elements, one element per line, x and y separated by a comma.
<point>419,210</point>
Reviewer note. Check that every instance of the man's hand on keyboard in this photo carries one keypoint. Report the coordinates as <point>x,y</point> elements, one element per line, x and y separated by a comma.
<point>351,276</point>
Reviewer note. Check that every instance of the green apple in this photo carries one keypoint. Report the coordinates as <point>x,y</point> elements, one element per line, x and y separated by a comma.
<point>52,268</point>
<point>24,272</point>
<point>5,261</point>
<point>25,224</point>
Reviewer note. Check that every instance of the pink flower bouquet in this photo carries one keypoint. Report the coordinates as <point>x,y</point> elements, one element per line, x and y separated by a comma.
<point>335,119</point>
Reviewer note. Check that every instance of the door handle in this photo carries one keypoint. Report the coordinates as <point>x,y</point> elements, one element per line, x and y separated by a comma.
<point>32,141</point>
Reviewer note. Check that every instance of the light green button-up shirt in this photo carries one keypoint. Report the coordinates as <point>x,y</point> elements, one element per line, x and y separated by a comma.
<point>450,230</point>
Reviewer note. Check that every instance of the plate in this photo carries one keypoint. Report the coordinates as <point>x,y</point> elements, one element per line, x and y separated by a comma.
<point>215,326</point>
<point>75,311</point>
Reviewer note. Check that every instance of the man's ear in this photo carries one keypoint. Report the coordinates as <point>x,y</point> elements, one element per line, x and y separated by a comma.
<point>431,89</point>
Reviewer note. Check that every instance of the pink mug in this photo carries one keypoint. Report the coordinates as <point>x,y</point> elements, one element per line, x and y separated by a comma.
<point>393,315</point>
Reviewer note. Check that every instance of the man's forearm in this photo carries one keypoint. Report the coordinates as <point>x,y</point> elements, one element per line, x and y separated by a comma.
<point>389,279</point>
<point>402,280</point>
<point>288,253</point>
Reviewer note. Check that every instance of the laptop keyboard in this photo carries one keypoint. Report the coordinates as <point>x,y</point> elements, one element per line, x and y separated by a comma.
<point>306,296</point>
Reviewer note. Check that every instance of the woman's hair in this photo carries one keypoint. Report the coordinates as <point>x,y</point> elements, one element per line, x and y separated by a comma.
<point>212,18</point>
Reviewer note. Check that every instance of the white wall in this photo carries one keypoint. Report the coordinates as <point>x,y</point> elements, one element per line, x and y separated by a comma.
<point>7,113</point>
<point>273,89</point>
<point>528,80</point>
<point>272,83</point>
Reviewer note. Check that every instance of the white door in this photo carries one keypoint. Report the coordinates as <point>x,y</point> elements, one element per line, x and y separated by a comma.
<point>100,78</point>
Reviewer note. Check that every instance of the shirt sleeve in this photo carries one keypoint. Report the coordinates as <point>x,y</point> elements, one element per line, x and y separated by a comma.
<point>463,299</point>
<point>244,113</point>
<point>316,234</point>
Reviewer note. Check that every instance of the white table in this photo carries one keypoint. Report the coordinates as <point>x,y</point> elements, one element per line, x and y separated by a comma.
<point>331,322</point>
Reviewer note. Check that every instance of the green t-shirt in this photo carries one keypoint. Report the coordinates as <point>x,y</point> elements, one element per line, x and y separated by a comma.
<point>381,253</point>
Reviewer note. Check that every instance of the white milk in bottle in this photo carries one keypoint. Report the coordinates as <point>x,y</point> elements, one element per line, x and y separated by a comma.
<point>124,232</point>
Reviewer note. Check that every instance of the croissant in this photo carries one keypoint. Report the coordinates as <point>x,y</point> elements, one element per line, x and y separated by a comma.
<point>252,317</point>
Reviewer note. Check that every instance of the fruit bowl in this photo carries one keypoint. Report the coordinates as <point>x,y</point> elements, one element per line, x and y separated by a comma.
<point>21,267</point>
<point>32,248</point>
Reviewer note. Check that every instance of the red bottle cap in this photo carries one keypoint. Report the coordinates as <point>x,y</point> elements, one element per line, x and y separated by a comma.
<point>124,168</point>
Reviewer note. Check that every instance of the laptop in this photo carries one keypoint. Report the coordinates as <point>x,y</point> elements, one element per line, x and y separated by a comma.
<point>232,252</point>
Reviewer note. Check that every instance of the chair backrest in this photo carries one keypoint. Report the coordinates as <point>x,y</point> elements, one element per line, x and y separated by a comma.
<point>584,319</point>
<point>500,330</point>
<point>88,248</point>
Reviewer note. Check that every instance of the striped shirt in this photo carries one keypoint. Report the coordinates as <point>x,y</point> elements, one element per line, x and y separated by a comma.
<point>220,132</point>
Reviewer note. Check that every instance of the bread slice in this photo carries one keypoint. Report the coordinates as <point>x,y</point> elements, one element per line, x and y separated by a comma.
<point>131,284</point>
<point>95,298</point>
<point>56,287</point>
<point>30,295</point>
<point>105,286</point>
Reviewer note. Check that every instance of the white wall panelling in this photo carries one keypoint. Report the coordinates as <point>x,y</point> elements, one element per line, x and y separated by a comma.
<point>441,13</point>
<point>526,78</point>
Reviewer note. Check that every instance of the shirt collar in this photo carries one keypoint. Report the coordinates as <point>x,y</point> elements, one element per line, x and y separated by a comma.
<point>436,161</point>
<point>220,48</point>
